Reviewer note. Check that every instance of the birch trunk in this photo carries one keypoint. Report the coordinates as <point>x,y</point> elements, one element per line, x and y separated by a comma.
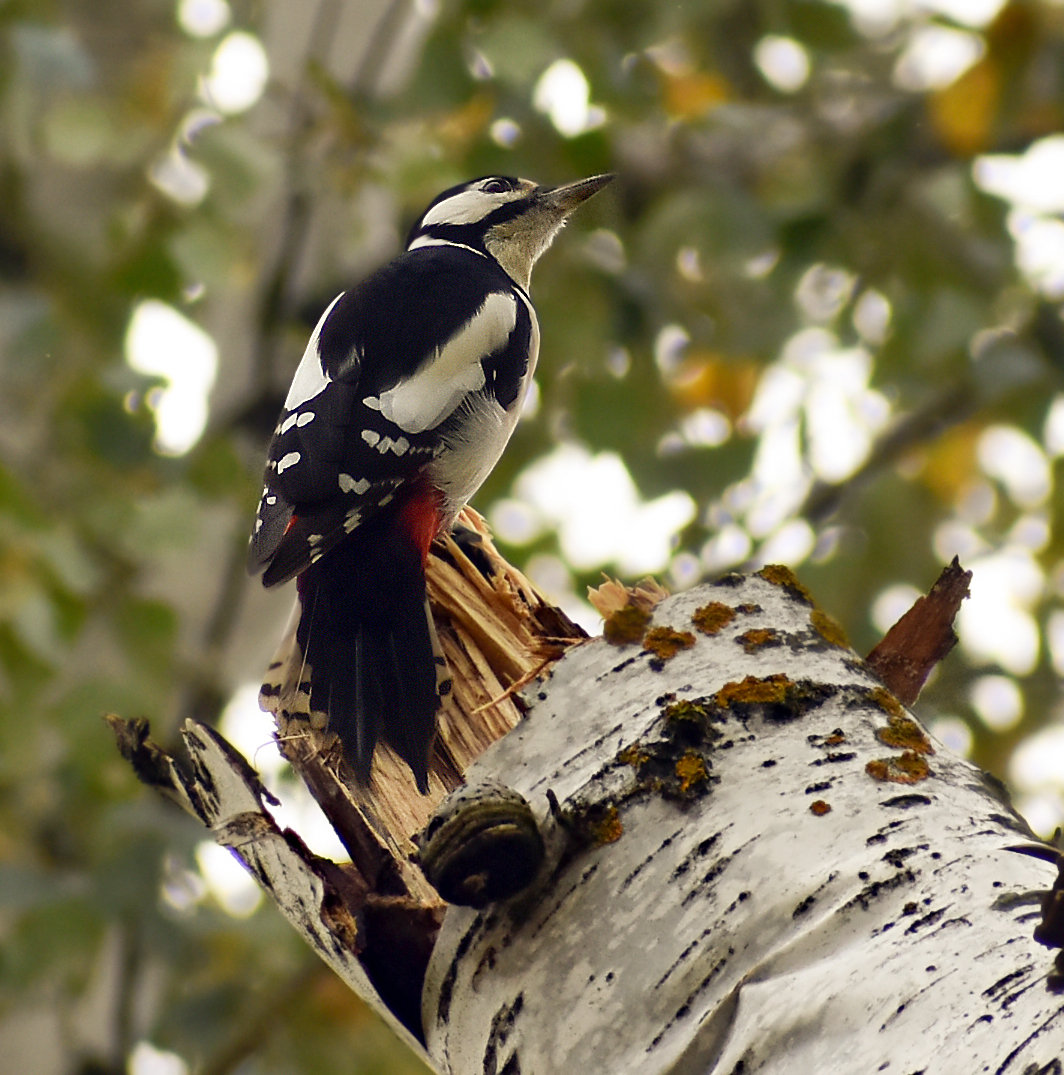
<point>757,861</point>
<point>796,880</point>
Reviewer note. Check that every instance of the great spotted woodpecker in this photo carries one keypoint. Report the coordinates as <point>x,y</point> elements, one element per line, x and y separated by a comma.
<point>408,391</point>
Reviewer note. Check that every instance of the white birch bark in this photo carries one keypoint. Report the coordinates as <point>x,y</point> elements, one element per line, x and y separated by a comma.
<point>315,895</point>
<point>761,864</point>
<point>737,928</point>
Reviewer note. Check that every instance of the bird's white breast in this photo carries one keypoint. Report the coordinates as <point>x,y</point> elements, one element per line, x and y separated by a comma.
<point>476,441</point>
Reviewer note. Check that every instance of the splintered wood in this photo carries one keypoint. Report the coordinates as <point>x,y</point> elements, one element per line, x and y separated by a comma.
<point>498,633</point>
<point>908,652</point>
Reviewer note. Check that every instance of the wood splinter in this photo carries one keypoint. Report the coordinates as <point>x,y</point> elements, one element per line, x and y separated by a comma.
<point>904,657</point>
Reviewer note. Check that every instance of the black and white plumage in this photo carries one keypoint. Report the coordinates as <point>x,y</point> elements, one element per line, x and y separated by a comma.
<point>408,391</point>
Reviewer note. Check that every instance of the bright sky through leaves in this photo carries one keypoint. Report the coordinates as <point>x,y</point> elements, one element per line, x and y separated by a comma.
<point>163,343</point>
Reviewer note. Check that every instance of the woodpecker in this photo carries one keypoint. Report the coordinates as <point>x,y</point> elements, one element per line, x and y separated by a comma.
<point>407,393</point>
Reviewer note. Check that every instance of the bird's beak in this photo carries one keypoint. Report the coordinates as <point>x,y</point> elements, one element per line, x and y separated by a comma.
<point>518,242</point>
<point>563,200</point>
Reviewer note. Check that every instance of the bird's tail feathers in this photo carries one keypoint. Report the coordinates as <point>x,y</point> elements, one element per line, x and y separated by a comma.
<point>285,690</point>
<point>376,664</point>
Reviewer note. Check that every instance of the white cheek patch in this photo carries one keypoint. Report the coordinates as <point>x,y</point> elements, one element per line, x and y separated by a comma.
<point>310,379</point>
<point>449,374</point>
<point>467,207</point>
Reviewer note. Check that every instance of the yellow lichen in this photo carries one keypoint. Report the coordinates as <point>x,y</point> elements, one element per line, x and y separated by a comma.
<point>820,808</point>
<point>779,575</point>
<point>901,731</point>
<point>691,770</point>
<point>633,755</point>
<point>756,690</point>
<point>829,629</point>
<point>886,701</point>
<point>665,643</point>
<point>905,734</point>
<point>757,638</point>
<point>625,626</point>
<point>608,828</point>
<point>908,768</point>
<point>714,617</point>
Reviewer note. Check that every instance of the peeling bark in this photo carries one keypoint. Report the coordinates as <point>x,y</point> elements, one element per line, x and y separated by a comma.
<point>497,633</point>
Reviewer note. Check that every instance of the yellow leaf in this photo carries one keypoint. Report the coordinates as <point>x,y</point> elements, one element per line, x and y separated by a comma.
<point>691,95</point>
<point>964,113</point>
<point>950,463</point>
<point>708,379</point>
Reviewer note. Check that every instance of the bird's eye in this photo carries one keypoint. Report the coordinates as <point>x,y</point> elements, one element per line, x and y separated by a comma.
<point>496,186</point>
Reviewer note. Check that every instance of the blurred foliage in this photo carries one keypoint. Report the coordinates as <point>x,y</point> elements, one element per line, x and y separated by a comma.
<point>121,584</point>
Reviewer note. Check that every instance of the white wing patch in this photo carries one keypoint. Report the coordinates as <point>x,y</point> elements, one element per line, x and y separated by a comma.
<point>310,379</point>
<point>400,445</point>
<point>384,444</point>
<point>350,485</point>
<point>296,418</point>
<point>451,372</point>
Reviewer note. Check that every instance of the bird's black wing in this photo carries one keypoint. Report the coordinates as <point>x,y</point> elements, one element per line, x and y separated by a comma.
<point>389,362</point>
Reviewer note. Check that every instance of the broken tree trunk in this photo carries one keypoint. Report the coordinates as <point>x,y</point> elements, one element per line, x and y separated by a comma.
<point>753,859</point>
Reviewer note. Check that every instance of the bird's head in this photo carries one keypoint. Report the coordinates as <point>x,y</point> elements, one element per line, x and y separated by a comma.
<point>511,220</point>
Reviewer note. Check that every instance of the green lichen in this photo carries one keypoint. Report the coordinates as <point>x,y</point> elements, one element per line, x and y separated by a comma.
<point>685,714</point>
